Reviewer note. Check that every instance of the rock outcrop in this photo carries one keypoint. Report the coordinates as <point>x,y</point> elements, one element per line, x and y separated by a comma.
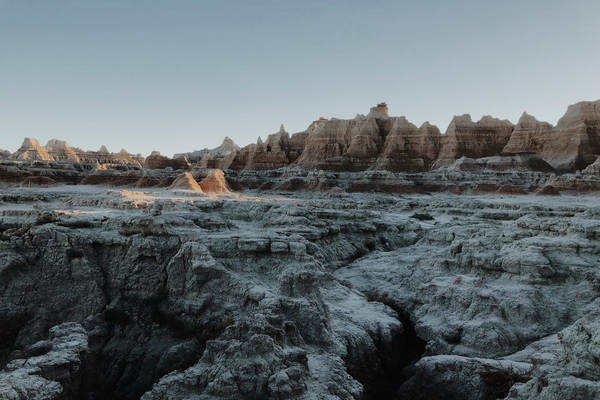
<point>219,157</point>
<point>342,145</point>
<point>32,150</point>
<point>484,138</point>
<point>158,161</point>
<point>408,148</point>
<point>60,151</point>
<point>186,182</point>
<point>215,182</point>
<point>52,369</point>
<point>529,136</point>
<point>279,150</point>
<point>575,142</point>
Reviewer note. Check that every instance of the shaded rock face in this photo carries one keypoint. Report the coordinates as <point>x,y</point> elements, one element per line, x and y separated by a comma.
<point>408,148</point>
<point>157,161</point>
<point>278,151</point>
<point>575,142</point>
<point>219,157</point>
<point>528,136</point>
<point>486,137</point>
<point>342,145</point>
<point>55,368</point>
<point>572,145</point>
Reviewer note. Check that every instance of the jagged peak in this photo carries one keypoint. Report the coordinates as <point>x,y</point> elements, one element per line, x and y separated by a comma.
<point>103,150</point>
<point>379,111</point>
<point>30,143</point>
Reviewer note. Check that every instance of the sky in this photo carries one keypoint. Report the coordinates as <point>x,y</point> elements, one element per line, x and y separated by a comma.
<point>179,75</point>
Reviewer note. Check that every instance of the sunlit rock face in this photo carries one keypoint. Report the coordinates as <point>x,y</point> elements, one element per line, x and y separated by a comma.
<point>61,151</point>
<point>32,150</point>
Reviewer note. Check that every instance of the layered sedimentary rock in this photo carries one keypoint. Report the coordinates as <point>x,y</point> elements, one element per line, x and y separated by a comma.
<point>4,153</point>
<point>158,161</point>
<point>408,148</point>
<point>529,136</point>
<point>516,162</point>
<point>219,157</point>
<point>185,182</point>
<point>342,145</point>
<point>279,150</point>
<point>215,182</point>
<point>486,137</point>
<point>575,142</point>
<point>60,151</point>
<point>32,150</point>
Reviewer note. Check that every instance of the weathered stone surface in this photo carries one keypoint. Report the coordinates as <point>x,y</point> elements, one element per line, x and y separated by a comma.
<point>157,161</point>
<point>484,138</point>
<point>529,136</point>
<point>185,182</point>
<point>305,295</point>
<point>408,148</point>
<point>32,150</point>
<point>53,369</point>
<point>219,157</point>
<point>575,142</point>
<point>215,182</point>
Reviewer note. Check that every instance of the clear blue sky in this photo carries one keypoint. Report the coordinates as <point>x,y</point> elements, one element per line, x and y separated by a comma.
<point>179,75</point>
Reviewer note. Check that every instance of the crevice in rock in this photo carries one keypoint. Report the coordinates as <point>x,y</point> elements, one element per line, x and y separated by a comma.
<point>381,374</point>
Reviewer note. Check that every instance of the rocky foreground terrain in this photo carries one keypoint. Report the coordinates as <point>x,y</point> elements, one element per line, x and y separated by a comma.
<point>359,259</point>
<point>176,294</point>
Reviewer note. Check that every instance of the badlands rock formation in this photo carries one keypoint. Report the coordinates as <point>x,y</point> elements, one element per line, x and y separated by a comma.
<point>360,259</point>
<point>465,138</point>
<point>528,136</point>
<point>154,295</point>
<point>185,182</point>
<point>60,151</point>
<point>219,157</point>
<point>157,161</point>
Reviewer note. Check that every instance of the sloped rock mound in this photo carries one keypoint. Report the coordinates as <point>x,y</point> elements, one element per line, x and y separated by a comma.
<point>186,182</point>
<point>547,190</point>
<point>215,182</point>
<point>38,181</point>
<point>510,189</point>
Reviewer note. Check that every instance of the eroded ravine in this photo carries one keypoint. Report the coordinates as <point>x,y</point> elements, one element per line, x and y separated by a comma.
<point>348,296</point>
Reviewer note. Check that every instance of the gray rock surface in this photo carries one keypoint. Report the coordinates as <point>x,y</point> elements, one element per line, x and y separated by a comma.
<point>157,294</point>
